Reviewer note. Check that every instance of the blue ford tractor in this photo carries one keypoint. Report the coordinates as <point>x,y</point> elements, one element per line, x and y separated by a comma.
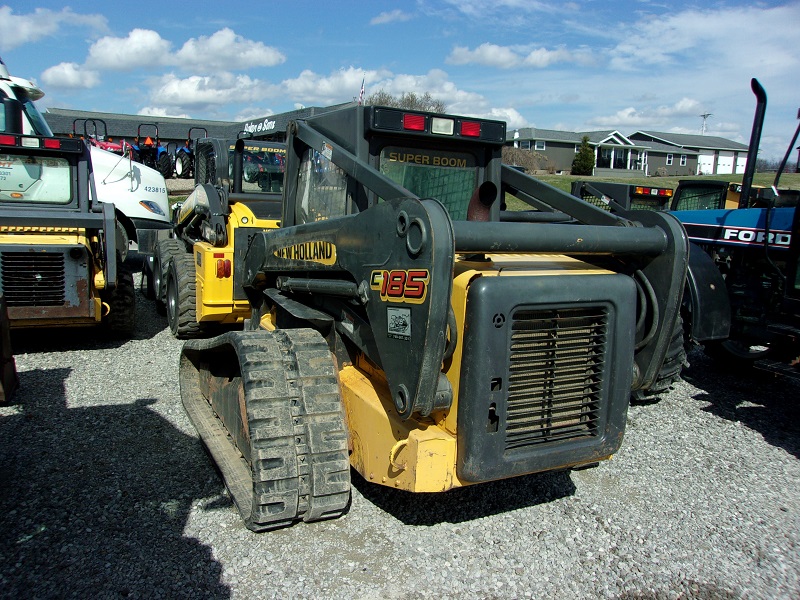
<point>755,248</point>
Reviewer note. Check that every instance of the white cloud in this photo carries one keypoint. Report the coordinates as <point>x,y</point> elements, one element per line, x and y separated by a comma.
<point>140,49</point>
<point>153,111</point>
<point>205,92</point>
<point>70,75</point>
<point>490,55</point>
<point>708,38</point>
<point>16,30</point>
<point>649,116</point>
<point>251,113</point>
<point>506,57</point>
<point>393,16</point>
<point>225,50</point>
<point>340,86</point>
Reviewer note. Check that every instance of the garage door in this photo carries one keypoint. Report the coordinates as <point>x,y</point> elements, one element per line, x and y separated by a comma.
<point>741,163</point>
<point>725,163</point>
<point>705,163</point>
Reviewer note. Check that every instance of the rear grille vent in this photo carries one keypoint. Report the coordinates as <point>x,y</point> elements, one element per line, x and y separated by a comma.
<point>33,278</point>
<point>556,367</point>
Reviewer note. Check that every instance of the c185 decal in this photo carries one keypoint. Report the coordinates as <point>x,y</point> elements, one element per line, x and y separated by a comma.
<point>397,285</point>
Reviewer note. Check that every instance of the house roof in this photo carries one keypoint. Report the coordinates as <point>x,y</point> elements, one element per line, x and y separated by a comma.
<point>685,140</point>
<point>119,125</point>
<point>596,138</point>
<point>174,128</point>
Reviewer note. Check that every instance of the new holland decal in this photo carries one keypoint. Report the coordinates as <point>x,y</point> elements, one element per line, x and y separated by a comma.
<point>319,252</point>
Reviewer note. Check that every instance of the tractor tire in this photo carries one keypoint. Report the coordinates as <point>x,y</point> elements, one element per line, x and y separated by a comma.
<point>670,373</point>
<point>164,251</point>
<point>182,298</point>
<point>183,165</point>
<point>120,322</point>
<point>165,166</point>
<point>250,172</point>
<point>275,425</point>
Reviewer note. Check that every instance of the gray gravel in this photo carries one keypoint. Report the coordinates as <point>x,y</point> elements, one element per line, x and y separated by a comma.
<point>105,491</point>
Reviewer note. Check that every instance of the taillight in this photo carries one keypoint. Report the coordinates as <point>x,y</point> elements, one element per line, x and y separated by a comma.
<point>52,143</point>
<point>414,122</point>
<point>223,268</point>
<point>471,128</point>
<point>8,140</point>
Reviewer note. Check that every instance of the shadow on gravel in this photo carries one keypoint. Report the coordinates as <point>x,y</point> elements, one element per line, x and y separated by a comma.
<point>469,503</point>
<point>762,401</point>
<point>94,501</point>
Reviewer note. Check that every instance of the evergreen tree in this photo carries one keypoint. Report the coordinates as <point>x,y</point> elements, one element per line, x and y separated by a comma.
<point>583,163</point>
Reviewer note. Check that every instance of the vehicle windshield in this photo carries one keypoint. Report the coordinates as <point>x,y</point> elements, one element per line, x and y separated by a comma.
<point>263,166</point>
<point>36,123</point>
<point>450,177</point>
<point>699,197</point>
<point>35,179</point>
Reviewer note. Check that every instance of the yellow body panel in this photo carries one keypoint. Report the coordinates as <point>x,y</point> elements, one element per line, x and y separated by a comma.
<point>36,237</point>
<point>214,299</point>
<point>413,455</point>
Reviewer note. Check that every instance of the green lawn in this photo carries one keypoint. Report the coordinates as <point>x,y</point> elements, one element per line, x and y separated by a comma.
<point>564,182</point>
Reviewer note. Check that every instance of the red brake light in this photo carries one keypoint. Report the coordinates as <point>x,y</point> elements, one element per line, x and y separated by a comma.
<point>8,140</point>
<point>52,143</point>
<point>414,122</point>
<point>223,268</point>
<point>471,128</point>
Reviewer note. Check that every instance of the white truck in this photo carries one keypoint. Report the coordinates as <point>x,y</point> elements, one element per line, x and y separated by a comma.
<point>138,193</point>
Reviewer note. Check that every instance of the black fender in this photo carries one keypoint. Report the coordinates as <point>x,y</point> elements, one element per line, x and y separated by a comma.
<point>706,297</point>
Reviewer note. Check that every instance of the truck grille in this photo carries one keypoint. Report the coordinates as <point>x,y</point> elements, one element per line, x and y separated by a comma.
<point>556,364</point>
<point>32,278</point>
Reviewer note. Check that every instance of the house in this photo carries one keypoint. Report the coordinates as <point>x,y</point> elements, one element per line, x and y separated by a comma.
<point>715,155</point>
<point>614,153</point>
<point>644,152</point>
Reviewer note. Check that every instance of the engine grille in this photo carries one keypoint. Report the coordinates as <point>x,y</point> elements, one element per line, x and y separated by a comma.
<point>556,361</point>
<point>33,278</point>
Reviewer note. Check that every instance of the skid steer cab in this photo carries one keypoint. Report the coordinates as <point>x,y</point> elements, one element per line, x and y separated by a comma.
<point>238,185</point>
<point>59,259</point>
<point>405,325</point>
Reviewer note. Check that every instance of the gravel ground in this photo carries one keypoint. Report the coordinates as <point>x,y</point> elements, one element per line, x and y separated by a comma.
<point>105,491</point>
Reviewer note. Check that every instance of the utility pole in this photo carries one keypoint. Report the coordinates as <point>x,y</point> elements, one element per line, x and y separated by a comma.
<point>704,116</point>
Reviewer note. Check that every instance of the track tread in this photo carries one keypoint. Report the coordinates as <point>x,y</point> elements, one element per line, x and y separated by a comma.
<point>300,468</point>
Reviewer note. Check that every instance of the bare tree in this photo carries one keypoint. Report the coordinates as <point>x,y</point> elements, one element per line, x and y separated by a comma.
<point>408,101</point>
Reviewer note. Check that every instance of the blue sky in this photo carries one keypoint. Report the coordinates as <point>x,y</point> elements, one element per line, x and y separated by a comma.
<point>584,65</point>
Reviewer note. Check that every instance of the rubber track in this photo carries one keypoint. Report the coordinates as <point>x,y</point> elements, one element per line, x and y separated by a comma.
<point>670,372</point>
<point>299,468</point>
<point>184,323</point>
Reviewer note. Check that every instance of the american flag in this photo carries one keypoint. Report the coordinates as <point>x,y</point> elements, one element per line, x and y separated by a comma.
<point>361,93</point>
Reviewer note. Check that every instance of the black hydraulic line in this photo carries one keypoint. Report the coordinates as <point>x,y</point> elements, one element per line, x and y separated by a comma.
<point>558,238</point>
<point>755,140</point>
<point>332,287</point>
<point>642,280</point>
